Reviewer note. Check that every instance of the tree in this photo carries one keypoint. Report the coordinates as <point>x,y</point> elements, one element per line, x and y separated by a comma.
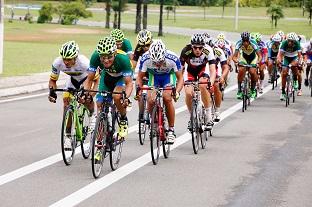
<point>118,6</point>
<point>276,13</point>
<point>175,4</point>
<point>161,9</point>
<point>138,18</point>
<point>144,21</point>
<point>108,12</point>
<point>71,12</point>
<point>308,7</point>
<point>45,13</point>
<point>203,3</point>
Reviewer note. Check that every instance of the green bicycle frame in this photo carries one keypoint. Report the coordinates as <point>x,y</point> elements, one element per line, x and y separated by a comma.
<point>78,111</point>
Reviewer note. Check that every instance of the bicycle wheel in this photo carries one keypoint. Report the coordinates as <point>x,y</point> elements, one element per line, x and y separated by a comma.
<point>154,136</point>
<point>142,122</point>
<point>86,134</point>
<point>293,93</point>
<point>274,77</point>
<point>195,127</point>
<point>98,150</point>
<point>68,135</point>
<point>115,142</point>
<point>287,92</point>
<point>165,145</point>
<point>204,133</point>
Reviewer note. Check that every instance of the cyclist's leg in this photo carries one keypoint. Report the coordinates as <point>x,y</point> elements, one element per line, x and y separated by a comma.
<point>262,67</point>
<point>206,99</point>
<point>240,77</point>
<point>270,69</point>
<point>284,76</point>
<point>218,99</point>
<point>189,90</point>
<point>294,69</point>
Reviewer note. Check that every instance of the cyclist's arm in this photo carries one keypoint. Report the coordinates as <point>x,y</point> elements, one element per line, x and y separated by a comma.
<point>52,84</point>
<point>259,56</point>
<point>212,68</point>
<point>235,56</point>
<point>139,80</point>
<point>180,81</point>
<point>55,72</point>
<point>225,70</point>
<point>129,85</point>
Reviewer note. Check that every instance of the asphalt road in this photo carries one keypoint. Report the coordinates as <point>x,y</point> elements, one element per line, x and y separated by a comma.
<point>261,157</point>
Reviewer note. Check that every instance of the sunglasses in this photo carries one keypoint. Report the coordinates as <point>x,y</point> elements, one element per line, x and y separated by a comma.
<point>147,45</point>
<point>197,47</point>
<point>104,57</point>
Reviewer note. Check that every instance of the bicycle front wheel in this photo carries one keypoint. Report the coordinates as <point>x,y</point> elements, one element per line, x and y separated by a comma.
<point>154,136</point>
<point>204,134</point>
<point>68,136</point>
<point>143,122</point>
<point>86,133</point>
<point>98,151</point>
<point>115,143</point>
<point>195,127</point>
<point>165,145</point>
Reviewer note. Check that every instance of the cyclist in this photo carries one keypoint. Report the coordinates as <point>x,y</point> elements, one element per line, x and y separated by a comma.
<point>307,51</point>
<point>222,71</point>
<point>273,47</point>
<point>249,54</point>
<point>199,59</point>
<point>227,49</point>
<point>264,53</point>
<point>121,42</point>
<point>144,41</point>
<point>289,53</point>
<point>73,64</point>
<point>164,69</point>
<point>116,75</point>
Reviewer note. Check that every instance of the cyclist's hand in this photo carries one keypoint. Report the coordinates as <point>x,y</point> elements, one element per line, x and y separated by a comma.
<point>211,89</point>
<point>52,96</point>
<point>176,96</point>
<point>221,80</point>
<point>126,102</point>
<point>138,93</point>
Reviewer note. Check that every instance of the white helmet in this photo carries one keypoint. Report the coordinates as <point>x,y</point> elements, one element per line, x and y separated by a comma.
<point>221,36</point>
<point>276,38</point>
<point>292,36</point>
<point>157,51</point>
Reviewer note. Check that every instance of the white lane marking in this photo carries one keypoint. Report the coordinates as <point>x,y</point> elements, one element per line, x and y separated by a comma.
<point>24,97</point>
<point>107,180</point>
<point>18,173</point>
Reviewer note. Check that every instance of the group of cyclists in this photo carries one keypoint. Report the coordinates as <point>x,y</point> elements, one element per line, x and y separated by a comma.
<point>205,59</point>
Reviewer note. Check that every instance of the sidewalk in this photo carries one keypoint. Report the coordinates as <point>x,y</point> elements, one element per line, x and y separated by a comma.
<point>10,86</point>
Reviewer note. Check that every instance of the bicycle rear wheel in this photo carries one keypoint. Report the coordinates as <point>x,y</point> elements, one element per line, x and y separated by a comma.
<point>195,127</point>
<point>143,122</point>
<point>287,92</point>
<point>165,145</point>
<point>115,143</point>
<point>98,149</point>
<point>154,136</point>
<point>204,133</point>
<point>86,134</point>
<point>68,135</point>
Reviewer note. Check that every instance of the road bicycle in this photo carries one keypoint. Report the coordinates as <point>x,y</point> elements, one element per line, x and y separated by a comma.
<point>143,116</point>
<point>274,75</point>
<point>106,140</point>
<point>75,126</point>
<point>290,90</point>
<point>246,86</point>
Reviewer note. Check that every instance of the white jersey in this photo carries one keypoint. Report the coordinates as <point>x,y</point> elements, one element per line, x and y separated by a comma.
<point>220,58</point>
<point>77,71</point>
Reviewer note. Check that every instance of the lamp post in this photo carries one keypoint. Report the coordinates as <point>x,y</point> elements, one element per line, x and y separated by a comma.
<point>1,34</point>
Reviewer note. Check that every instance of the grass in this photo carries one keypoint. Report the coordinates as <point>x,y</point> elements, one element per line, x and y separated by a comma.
<point>31,48</point>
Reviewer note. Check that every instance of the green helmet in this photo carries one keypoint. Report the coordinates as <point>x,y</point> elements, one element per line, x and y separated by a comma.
<point>144,37</point>
<point>117,34</point>
<point>69,50</point>
<point>106,46</point>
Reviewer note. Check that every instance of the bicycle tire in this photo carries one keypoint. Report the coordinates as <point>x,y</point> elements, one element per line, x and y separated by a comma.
<point>154,136</point>
<point>274,77</point>
<point>195,127</point>
<point>86,134</point>
<point>142,122</point>
<point>97,138</point>
<point>204,135</point>
<point>115,142</point>
<point>165,145</point>
<point>287,92</point>
<point>68,153</point>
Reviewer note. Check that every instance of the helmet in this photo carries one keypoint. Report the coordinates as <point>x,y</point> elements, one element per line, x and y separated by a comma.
<point>212,42</point>
<point>281,33</point>
<point>157,51</point>
<point>144,37</point>
<point>245,35</point>
<point>106,46</point>
<point>117,34</point>
<point>206,37</point>
<point>69,50</point>
<point>258,37</point>
<point>221,36</point>
<point>276,38</point>
<point>198,39</point>
<point>292,36</point>
<point>221,43</point>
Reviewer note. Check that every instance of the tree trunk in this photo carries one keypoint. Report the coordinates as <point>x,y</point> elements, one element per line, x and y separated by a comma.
<point>174,14</point>
<point>145,14</point>
<point>115,25</point>
<point>310,17</point>
<point>119,14</point>
<point>275,22</point>
<point>272,20</point>
<point>223,5</point>
<point>167,14</point>
<point>138,18</point>
<point>160,29</point>
<point>204,12</point>
<point>108,13</point>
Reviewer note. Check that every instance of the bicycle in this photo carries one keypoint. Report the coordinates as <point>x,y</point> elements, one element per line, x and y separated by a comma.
<point>309,64</point>
<point>158,125</point>
<point>105,140</point>
<point>246,87</point>
<point>290,90</point>
<point>274,75</point>
<point>75,127</point>
<point>198,118</point>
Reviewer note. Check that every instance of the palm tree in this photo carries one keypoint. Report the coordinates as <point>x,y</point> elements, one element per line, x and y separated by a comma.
<point>175,4</point>
<point>145,2</point>
<point>138,16</point>
<point>276,13</point>
<point>161,8</point>
<point>118,6</point>
<point>308,7</point>
<point>203,3</point>
<point>108,12</point>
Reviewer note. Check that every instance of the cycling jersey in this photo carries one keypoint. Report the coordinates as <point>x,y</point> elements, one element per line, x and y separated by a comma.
<point>264,50</point>
<point>196,66</point>
<point>307,50</point>
<point>248,55</point>
<point>138,52</point>
<point>290,51</point>
<point>165,74</point>
<point>126,46</point>
<point>272,49</point>
<point>220,60</point>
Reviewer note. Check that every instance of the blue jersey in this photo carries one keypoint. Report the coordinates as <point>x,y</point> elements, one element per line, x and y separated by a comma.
<point>172,64</point>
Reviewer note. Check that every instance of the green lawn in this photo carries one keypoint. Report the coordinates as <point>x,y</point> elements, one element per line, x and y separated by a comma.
<point>31,48</point>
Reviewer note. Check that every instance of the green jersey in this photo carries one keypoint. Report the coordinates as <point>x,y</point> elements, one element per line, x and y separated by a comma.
<point>290,51</point>
<point>126,46</point>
